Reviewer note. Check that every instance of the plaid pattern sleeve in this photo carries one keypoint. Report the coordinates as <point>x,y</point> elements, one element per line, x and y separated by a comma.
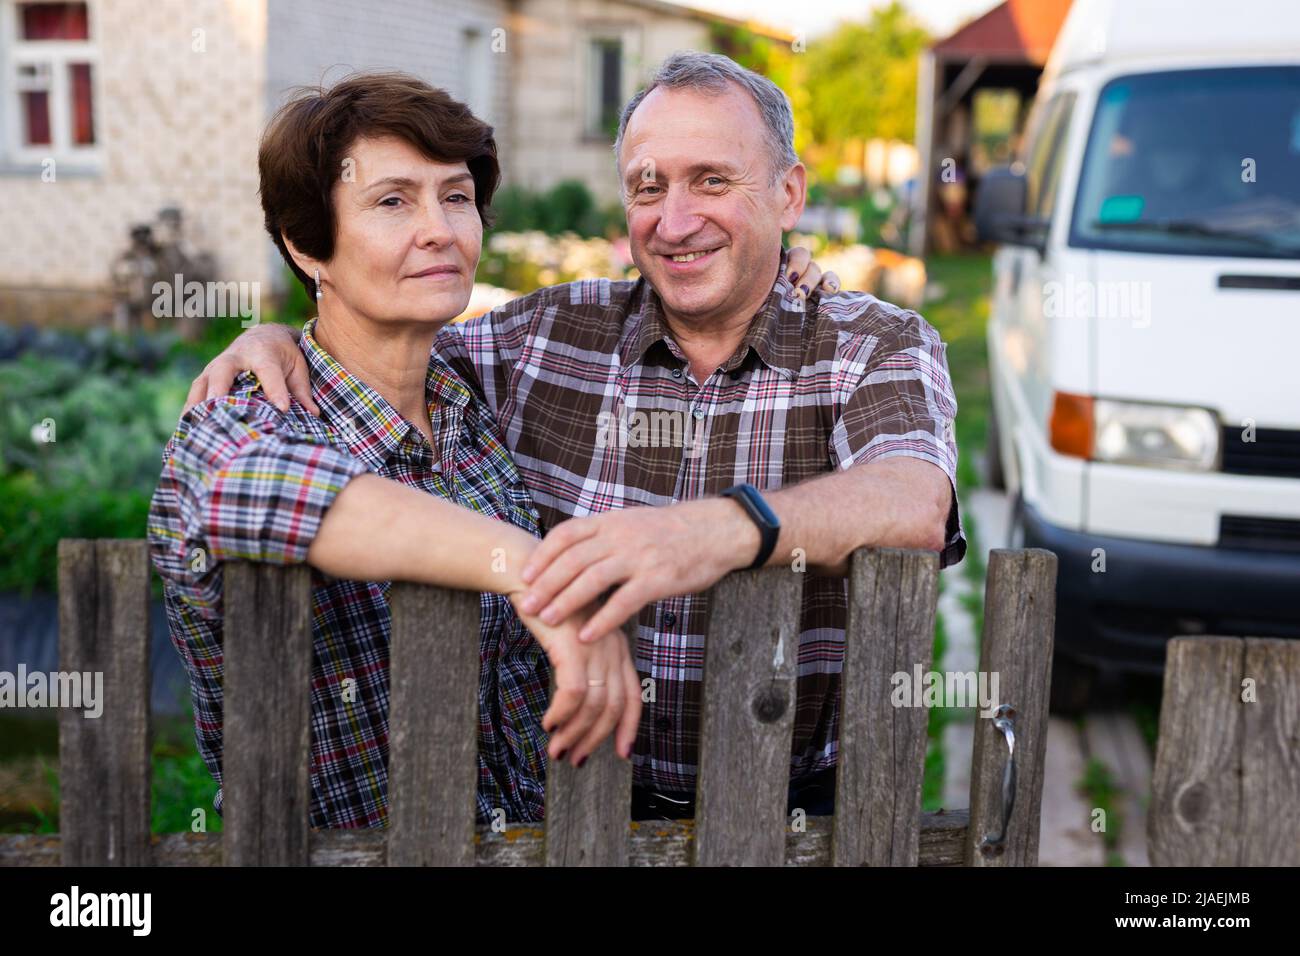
<point>240,483</point>
<point>897,397</point>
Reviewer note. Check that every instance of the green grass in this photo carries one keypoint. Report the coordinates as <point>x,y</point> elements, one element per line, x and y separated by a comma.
<point>29,750</point>
<point>960,315</point>
<point>1099,787</point>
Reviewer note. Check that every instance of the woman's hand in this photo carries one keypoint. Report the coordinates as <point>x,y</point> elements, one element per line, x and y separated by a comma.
<point>806,276</point>
<point>596,687</point>
<point>272,352</point>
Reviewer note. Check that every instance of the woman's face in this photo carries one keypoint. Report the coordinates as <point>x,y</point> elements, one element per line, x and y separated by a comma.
<point>408,235</point>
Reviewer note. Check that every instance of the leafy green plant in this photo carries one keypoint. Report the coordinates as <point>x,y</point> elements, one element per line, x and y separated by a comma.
<point>1099,786</point>
<point>568,206</point>
<point>84,417</point>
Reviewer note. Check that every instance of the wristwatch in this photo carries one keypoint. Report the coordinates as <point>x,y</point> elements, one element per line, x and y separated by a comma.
<point>769,527</point>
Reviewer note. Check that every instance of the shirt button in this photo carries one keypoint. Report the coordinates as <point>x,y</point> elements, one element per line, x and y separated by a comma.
<point>699,412</point>
<point>677,373</point>
<point>663,725</point>
<point>670,619</point>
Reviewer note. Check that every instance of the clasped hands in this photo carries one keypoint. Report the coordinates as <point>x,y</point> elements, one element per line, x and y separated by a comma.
<point>639,555</point>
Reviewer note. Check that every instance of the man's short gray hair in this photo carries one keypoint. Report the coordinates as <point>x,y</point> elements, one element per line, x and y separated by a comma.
<point>710,73</point>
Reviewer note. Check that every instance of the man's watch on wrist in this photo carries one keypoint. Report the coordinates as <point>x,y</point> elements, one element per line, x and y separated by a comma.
<point>762,515</point>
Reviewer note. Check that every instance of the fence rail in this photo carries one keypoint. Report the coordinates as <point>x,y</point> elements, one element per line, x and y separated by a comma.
<point>747,720</point>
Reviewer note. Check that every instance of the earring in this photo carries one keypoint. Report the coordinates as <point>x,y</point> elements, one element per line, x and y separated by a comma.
<point>318,291</point>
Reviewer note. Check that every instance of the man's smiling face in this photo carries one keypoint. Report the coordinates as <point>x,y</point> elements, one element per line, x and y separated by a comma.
<point>704,220</point>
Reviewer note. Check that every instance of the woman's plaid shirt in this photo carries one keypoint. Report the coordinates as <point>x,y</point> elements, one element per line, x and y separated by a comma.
<point>600,411</point>
<point>243,481</point>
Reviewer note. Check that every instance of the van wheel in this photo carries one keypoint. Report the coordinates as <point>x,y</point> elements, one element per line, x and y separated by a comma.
<point>994,477</point>
<point>1072,683</point>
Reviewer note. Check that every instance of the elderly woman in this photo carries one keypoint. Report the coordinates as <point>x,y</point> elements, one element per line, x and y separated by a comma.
<point>376,193</point>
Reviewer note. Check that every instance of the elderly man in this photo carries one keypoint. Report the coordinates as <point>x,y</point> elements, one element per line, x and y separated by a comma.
<point>800,424</point>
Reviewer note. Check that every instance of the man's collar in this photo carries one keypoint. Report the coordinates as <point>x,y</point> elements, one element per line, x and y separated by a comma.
<point>775,333</point>
<point>371,427</point>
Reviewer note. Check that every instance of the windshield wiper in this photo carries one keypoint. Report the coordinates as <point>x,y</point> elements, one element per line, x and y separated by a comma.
<point>1191,227</point>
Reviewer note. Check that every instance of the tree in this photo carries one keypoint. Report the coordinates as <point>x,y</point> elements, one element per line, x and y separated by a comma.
<point>861,80</point>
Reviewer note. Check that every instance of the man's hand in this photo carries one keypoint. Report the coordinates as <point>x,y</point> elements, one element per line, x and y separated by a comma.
<point>272,352</point>
<point>650,553</point>
<point>596,687</point>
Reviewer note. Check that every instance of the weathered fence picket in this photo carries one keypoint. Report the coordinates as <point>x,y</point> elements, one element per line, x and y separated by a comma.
<point>747,719</point>
<point>267,713</point>
<point>1019,616</point>
<point>881,765</point>
<point>433,696</point>
<point>104,772</point>
<point>1226,787</point>
<point>750,672</point>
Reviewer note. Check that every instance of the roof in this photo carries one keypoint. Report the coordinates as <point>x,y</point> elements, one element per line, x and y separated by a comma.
<point>1114,31</point>
<point>708,16</point>
<point>1017,30</point>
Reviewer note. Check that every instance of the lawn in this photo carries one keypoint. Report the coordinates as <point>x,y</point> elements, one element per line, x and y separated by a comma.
<point>960,313</point>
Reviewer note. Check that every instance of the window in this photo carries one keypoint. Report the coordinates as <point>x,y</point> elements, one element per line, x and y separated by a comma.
<point>1051,173</point>
<point>49,61</point>
<point>604,86</point>
<point>1045,154</point>
<point>476,75</point>
<point>1194,162</point>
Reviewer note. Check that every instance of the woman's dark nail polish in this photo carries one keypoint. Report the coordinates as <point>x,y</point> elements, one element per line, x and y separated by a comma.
<point>581,762</point>
<point>804,289</point>
<point>560,755</point>
<point>793,277</point>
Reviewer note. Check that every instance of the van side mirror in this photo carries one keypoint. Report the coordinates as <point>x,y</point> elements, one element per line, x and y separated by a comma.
<point>1000,210</point>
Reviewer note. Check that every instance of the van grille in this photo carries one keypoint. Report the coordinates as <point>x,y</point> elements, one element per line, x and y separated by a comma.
<point>1259,534</point>
<point>1275,452</point>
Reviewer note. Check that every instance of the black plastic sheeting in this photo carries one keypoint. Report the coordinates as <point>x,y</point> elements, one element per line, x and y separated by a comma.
<point>29,634</point>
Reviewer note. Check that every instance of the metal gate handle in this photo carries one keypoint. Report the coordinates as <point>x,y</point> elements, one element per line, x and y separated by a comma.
<point>1003,721</point>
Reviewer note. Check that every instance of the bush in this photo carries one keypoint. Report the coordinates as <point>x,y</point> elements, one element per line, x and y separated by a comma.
<point>566,207</point>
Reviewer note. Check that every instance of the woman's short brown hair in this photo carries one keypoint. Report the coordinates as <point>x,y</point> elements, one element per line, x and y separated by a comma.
<point>302,151</point>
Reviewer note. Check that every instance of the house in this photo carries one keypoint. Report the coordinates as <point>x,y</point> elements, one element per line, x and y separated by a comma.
<point>111,110</point>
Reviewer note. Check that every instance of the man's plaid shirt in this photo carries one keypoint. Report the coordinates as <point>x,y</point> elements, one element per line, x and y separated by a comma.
<point>580,377</point>
<point>242,480</point>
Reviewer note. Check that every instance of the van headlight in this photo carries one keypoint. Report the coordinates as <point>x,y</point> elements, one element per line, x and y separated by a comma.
<point>1161,436</point>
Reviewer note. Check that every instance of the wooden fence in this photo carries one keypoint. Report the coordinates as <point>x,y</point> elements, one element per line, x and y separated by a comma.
<point>747,721</point>
<point>1226,787</point>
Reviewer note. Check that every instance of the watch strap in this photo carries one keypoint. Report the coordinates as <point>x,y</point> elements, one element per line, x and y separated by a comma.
<point>769,527</point>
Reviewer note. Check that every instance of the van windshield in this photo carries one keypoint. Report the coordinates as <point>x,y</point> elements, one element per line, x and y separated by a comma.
<point>1194,162</point>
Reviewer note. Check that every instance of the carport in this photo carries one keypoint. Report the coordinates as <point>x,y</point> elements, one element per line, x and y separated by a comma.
<point>973,94</point>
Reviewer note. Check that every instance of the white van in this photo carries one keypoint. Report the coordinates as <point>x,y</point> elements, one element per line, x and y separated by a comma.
<point>1144,339</point>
